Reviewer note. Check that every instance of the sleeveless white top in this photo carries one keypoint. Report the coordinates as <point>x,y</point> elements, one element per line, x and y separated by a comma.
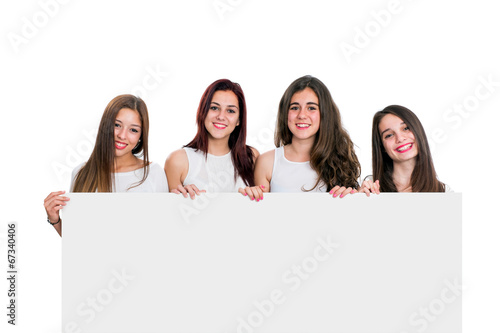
<point>155,182</point>
<point>447,189</point>
<point>211,173</point>
<point>291,176</point>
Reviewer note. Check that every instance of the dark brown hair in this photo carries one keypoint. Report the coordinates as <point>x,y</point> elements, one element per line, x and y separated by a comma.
<point>97,173</point>
<point>241,154</point>
<point>332,155</point>
<point>423,177</point>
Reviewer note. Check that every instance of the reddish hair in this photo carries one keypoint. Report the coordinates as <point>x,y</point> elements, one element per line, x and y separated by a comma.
<point>241,154</point>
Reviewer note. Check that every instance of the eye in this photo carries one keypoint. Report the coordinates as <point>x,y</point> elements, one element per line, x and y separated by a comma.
<point>231,111</point>
<point>312,108</point>
<point>134,130</point>
<point>294,108</point>
<point>117,125</point>
<point>214,108</point>
<point>407,128</point>
<point>387,136</point>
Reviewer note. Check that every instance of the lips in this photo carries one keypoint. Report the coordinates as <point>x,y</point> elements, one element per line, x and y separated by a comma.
<point>302,126</point>
<point>219,126</point>
<point>404,148</point>
<point>120,145</point>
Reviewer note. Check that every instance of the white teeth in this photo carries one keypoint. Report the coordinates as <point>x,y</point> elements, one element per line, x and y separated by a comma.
<point>404,147</point>
<point>120,144</point>
<point>303,125</point>
<point>220,125</point>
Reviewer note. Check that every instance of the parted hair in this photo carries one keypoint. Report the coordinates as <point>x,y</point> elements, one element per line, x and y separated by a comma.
<point>241,154</point>
<point>332,155</point>
<point>97,173</point>
<point>423,177</point>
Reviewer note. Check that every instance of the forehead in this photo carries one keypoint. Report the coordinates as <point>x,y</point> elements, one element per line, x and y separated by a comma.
<point>306,95</point>
<point>390,121</point>
<point>128,115</point>
<point>226,97</point>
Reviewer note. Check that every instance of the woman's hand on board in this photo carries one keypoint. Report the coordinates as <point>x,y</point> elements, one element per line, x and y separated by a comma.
<point>53,203</point>
<point>370,186</point>
<point>253,192</point>
<point>190,190</point>
<point>341,191</point>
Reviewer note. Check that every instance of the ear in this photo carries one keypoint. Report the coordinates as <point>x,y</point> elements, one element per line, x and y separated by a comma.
<point>238,123</point>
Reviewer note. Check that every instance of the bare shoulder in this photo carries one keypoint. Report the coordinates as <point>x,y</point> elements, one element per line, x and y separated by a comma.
<point>264,169</point>
<point>266,158</point>
<point>177,160</point>
<point>265,163</point>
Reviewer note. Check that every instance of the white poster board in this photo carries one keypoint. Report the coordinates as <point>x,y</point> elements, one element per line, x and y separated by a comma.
<point>289,263</point>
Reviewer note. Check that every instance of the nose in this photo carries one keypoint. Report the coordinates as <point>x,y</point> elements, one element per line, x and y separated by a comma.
<point>302,113</point>
<point>220,115</point>
<point>120,133</point>
<point>400,137</point>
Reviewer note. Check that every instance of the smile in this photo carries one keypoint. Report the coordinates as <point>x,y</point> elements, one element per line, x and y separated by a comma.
<point>404,148</point>
<point>219,125</point>
<point>120,145</point>
<point>302,126</point>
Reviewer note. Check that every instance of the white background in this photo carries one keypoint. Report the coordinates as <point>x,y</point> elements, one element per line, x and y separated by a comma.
<point>429,56</point>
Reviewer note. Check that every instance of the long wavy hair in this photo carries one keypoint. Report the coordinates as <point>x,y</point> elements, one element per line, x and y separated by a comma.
<point>423,177</point>
<point>241,154</point>
<point>332,155</point>
<point>97,173</point>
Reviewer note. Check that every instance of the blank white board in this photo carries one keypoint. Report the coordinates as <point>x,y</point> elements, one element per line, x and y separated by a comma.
<point>302,262</point>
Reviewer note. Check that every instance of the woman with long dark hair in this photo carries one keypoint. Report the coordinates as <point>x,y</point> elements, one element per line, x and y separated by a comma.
<point>314,152</point>
<point>217,159</point>
<point>114,165</point>
<point>401,158</point>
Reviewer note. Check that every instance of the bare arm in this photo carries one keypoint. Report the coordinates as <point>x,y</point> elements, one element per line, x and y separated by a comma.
<point>264,170</point>
<point>176,169</point>
<point>53,203</point>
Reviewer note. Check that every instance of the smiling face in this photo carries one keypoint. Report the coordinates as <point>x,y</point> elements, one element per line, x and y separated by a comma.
<point>223,115</point>
<point>398,139</point>
<point>304,114</point>
<point>127,131</point>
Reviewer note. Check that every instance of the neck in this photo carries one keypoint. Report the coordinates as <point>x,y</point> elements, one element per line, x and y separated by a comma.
<point>218,147</point>
<point>301,149</point>
<point>401,175</point>
<point>125,162</point>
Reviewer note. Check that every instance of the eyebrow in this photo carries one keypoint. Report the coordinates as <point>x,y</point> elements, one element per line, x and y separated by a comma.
<point>403,123</point>
<point>229,106</point>
<point>308,103</point>
<point>118,120</point>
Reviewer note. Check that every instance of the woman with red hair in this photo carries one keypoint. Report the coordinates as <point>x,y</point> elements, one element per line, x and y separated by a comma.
<point>217,159</point>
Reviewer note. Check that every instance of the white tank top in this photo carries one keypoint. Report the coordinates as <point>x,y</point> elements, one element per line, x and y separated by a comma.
<point>291,176</point>
<point>213,174</point>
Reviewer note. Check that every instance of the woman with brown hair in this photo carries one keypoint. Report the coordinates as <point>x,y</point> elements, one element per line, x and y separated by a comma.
<point>314,152</point>
<point>401,158</point>
<point>114,165</point>
<point>217,159</point>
